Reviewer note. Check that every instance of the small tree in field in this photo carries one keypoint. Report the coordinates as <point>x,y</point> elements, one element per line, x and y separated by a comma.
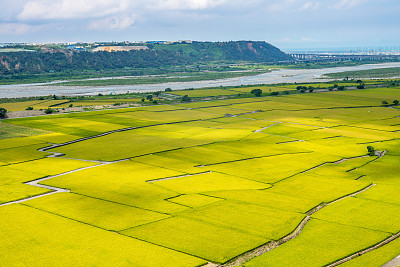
<point>371,150</point>
<point>186,98</point>
<point>256,92</point>
<point>396,102</point>
<point>3,113</point>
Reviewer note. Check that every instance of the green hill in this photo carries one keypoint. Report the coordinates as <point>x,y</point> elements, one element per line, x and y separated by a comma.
<point>158,55</point>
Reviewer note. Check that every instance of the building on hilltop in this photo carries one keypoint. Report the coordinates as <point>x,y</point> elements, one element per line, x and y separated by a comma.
<point>119,48</point>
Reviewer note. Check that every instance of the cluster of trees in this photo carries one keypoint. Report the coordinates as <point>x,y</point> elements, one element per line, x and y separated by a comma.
<point>394,103</point>
<point>157,56</point>
<point>256,92</point>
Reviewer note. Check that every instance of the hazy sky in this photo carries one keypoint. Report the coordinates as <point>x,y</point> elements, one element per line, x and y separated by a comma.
<point>284,23</point>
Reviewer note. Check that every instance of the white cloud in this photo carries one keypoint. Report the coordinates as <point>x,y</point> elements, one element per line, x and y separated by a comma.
<point>183,4</point>
<point>15,28</point>
<point>346,4</point>
<point>113,23</point>
<point>309,5</point>
<point>70,9</point>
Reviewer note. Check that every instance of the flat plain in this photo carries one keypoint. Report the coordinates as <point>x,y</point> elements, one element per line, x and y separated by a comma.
<point>209,181</point>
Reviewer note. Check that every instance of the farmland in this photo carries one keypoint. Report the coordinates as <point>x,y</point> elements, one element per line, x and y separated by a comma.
<point>282,180</point>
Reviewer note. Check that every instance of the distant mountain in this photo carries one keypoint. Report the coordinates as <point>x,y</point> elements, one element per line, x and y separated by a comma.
<point>158,55</point>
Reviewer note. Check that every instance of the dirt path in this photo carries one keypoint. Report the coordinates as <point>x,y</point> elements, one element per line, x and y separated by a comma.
<point>52,188</point>
<point>393,263</point>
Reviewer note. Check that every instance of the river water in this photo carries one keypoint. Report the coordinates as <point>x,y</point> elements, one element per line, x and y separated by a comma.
<point>278,76</point>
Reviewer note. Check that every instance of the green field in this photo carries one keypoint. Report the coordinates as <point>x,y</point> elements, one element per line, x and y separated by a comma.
<point>189,183</point>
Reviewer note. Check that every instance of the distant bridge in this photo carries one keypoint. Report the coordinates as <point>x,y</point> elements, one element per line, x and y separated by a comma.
<point>341,57</point>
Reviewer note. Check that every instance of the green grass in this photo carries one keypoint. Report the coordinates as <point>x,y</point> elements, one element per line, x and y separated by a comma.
<point>204,92</point>
<point>383,193</point>
<point>100,213</point>
<point>319,189</point>
<point>10,131</point>
<point>208,182</point>
<point>204,240</point>
<point>374,73</point>
<point>377,257</point>
<point>124,183</point>
<point>320,243</point>
<point>266,198</point>
<point>49,239</point>
<point>265,222</point>
<point>194,200</point>
<point>21,154</point>
<point>270,169</point>
<point>363,213</point>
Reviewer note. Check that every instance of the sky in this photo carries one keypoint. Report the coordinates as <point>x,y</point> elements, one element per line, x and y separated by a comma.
<point>285,23</point>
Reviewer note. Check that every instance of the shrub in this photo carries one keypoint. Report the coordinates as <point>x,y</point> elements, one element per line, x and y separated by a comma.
<point>256,92</point>
<point>186,98</point>
<point>168,90</point>
<point>29,108</point>
<point>3,112</point>
<point>49,111</point>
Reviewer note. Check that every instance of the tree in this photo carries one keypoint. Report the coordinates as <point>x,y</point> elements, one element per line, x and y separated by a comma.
<point>341,88</point>
<point>157,93</point>
<point>3,113</point>
<point>275,93</point>
<point>143,99</point>
<point>49,111</point>
<point>149,97</point>
<point>371,150</point>
<point>335,85</point>
<point>29,108</point>
<point>360,86</point>
<point>396,102</point>
<point>256,92</point>
<point>384,103</point>
<point>359,81</point>
<point>186,98</point>
<point>168,90</point>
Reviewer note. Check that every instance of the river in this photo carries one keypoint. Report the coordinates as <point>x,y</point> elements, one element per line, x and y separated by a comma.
<point>277,76</point>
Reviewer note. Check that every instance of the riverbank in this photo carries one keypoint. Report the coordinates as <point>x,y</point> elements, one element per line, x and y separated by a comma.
<point>273,77</point>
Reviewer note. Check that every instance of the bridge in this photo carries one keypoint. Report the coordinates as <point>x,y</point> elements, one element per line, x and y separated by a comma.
<point>342,56</point>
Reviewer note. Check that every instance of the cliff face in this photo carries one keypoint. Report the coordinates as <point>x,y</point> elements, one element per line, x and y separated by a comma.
<point>156,56</point>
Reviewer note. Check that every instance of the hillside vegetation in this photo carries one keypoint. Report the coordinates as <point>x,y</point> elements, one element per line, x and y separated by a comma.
<point>159,55</point>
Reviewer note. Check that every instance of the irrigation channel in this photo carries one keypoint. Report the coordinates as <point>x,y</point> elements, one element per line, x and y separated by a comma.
<point>273,77</point>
